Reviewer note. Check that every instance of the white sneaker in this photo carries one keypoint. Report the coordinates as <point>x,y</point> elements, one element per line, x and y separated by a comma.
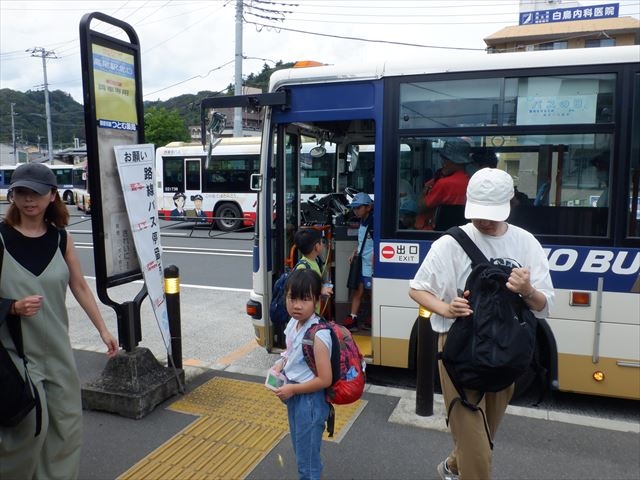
<point>445,473</point>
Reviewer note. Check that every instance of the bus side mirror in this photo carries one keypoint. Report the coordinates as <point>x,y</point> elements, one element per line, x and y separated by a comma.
<point>256,182</point>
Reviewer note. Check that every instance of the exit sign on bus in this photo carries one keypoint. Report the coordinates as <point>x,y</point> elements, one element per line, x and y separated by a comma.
<point>399,252</point>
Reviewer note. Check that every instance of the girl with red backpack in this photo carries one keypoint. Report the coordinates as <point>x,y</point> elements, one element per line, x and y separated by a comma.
<point>304,391</point>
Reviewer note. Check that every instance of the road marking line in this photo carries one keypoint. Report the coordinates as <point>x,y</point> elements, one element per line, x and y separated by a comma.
<point>192,362</point>
<point>187,285</point>
<point>238,353</point>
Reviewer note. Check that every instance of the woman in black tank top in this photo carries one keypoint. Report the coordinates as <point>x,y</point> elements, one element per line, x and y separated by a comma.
<point>38,264</point>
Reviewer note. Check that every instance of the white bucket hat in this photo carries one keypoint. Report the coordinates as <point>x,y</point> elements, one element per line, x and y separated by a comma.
<point>489,195</point>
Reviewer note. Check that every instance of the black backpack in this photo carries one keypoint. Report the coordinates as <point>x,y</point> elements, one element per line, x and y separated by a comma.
<point>490,349</point>
<point>278,307</point>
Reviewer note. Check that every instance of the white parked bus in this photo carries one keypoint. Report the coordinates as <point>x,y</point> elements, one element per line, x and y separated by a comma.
<point>565,124</point>
<point>221,187</point>
<point>68,177</point>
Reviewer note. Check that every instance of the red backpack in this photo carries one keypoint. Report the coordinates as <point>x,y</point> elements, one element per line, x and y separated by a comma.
<point>347,365</point>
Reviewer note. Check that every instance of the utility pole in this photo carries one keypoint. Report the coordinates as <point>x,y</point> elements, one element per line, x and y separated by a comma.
<point>41,52</point>
<point>237,112</point>
<point>13,135</point>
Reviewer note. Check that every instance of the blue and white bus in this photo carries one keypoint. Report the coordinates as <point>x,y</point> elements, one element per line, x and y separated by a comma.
<point>564,124</point>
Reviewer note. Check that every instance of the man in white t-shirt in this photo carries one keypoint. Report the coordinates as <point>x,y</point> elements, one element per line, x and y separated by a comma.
<point>444,272</point>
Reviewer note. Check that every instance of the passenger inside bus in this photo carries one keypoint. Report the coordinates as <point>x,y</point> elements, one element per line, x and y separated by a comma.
<point>362,207</point>
<point>483,158</point>
<point>408,210</point>
<point>449,184</point>
<point>601,164</point>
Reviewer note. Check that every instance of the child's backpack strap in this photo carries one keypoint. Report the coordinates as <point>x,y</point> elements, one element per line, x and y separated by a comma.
<point>334,355</point>
<point>304,262</point>
<point>309,357</point>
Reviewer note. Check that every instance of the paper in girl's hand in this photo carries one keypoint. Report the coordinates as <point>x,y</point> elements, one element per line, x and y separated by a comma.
<point>274,379</point>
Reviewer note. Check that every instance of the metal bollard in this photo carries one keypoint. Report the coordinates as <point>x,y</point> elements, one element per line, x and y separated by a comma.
<point>172,294</point>
<point>426,362</point>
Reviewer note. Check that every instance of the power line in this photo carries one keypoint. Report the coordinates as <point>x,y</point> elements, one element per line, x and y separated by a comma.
<point>344,37</point>
<point>191,78</point>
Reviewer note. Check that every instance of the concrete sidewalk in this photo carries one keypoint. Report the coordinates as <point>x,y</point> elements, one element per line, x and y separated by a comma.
<point>385,441</point>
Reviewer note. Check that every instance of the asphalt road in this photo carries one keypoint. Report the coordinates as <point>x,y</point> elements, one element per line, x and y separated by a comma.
<point>205,257</point>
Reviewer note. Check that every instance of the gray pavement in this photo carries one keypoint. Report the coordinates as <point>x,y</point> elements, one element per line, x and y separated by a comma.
<point>386,441</point>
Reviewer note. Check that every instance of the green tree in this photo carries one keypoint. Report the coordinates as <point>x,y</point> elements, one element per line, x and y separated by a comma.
<point>162,126</point>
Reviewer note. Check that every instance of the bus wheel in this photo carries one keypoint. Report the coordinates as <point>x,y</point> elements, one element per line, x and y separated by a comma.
<point>68,198</point>
<point>228,217</point>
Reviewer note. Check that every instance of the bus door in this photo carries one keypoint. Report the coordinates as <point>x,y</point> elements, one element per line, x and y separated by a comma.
<point>192,183</point>
<point>309,193</point>
<point>300,186</point>
<point>285,191</point>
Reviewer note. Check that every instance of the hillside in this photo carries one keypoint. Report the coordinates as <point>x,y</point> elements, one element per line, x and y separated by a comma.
<point>67,115</point>
<point>67,118</point>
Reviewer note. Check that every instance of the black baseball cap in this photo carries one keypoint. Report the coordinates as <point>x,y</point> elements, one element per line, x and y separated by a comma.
<point>34,176</point>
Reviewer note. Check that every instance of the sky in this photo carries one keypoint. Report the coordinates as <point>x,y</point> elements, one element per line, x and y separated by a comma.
<point>189,46</point>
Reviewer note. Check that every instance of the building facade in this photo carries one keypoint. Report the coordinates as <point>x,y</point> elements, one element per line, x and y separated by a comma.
<point>554,24</point>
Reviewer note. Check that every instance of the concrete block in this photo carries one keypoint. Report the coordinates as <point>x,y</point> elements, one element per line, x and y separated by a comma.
<point>132,384</point>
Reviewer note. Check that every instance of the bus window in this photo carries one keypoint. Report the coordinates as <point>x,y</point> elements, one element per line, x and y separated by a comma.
<point>355,166</point>
<point>361,177</point>
<point>192,174</point>
<point>64,176</point>
<point>317,166</point>
<point>561,182</point>
<point>634,155</point>
<point>228,174</point>
<point>546,100</point>
<point>439,104</point>
<point>173,174</point>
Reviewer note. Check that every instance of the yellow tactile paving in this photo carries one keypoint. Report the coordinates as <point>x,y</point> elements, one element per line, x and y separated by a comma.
<point>240,423</point>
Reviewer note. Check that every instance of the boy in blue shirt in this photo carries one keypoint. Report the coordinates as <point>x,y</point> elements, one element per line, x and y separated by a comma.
<point>362,206</point>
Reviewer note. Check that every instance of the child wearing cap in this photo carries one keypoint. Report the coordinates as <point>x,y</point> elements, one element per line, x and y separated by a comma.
<point>443,274</point>
<point>408,210</point>
<point>362,206</point>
